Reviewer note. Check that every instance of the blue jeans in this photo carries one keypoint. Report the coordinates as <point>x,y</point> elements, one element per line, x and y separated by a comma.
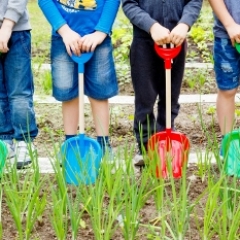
<point>17,116</point>
<point>100,81</point>
<point>226,64</point>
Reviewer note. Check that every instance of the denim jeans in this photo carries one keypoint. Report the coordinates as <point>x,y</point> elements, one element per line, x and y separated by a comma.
<point>100,81</point>
<point>17,116</point>
<point>226,64</point>
<point>148,78</point>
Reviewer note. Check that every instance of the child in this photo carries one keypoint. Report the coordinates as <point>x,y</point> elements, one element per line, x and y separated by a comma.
<point>17,117</point>
<point>226,59</point>
<point>83,26</point>
<point>162,22</point>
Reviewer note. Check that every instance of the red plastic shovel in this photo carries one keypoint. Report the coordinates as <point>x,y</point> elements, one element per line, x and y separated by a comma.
<point>168,145</point>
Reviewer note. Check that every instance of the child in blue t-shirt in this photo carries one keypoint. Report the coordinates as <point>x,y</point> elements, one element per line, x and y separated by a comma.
<point>226,31</point>
<point>83,26</point>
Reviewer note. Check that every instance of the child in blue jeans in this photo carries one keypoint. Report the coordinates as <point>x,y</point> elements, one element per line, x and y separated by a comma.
<point>17,117</point>
<point>83,26</point>
<point>226,31</point>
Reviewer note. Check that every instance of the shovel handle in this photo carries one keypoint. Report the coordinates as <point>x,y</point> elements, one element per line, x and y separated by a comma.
<point>81,60</point>
<point>237,46</point>
<point>167,54</point>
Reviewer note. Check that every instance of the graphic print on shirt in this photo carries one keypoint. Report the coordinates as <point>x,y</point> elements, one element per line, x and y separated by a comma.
<point>79,4</point>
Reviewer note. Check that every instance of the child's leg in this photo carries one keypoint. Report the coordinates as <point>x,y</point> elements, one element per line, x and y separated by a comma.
<point>19,86</point>
<point>100,85</point>
<point>226,109</point>
<point>227,72</point>
<point>100,110</point>
<point>70,116</point>
<point>65,85</point>
<point>147,78</point>
<point>6,128</point>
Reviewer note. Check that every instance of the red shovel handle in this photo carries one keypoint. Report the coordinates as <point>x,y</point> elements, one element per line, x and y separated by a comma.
<point>167,54</point>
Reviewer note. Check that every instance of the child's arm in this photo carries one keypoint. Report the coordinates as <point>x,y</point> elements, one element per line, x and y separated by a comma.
<point>137,16</point>
<point>190,14</point>
<point>143,20</point>
<point>233,29</point>
<point>52,14</point>
<point>108,16</point>
<point>90,41</point>
<point>71,39</point>
<point>15,10</point>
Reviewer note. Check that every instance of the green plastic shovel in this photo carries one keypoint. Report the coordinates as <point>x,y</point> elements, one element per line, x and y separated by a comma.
<point>3,156</point>
<point>237,46</point>
<point>231,153</point>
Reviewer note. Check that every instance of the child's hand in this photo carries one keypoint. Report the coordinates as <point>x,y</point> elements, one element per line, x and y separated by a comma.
<point>234,32</point>
<point>160,34</point>
<point>4,38</point>
<point>90,41</point>
<point>178,34</point>
<point>5,34</point>
<point>71,40</point>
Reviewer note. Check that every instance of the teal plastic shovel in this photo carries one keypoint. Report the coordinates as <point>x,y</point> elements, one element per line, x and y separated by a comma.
<point>231,153</point>
<point>81,154</point>
<point>3,156</point>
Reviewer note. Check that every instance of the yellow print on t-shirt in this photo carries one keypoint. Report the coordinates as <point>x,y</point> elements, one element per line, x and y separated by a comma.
<point>79,4</point>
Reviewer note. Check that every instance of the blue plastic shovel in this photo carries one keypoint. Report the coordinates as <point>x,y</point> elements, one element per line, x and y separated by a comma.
<point>81,155</point>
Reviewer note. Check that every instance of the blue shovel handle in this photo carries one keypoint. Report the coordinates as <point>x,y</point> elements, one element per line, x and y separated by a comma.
<point>80,60</point>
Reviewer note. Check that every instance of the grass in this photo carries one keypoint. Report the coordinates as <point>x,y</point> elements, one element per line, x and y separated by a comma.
<point>122,204</point>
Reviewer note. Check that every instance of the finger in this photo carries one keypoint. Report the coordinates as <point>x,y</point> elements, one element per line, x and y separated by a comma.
<point>93,47</point>
<point>5,47</point>
<point>77,49</point>
<point>69,51</point>
<point>237,39</point>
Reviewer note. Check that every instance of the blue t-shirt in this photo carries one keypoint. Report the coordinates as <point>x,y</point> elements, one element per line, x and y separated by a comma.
<point>82,16</point>
<point>233,7</point>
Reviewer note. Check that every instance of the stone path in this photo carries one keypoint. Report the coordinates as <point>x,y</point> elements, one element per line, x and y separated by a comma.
<point>45,165</point>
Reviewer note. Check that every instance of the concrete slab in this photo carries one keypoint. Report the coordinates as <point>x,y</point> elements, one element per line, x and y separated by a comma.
<point>45,165</point>
<point>129,100</point>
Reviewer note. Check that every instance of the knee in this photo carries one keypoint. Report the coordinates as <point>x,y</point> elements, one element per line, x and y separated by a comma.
<point>228,94</point>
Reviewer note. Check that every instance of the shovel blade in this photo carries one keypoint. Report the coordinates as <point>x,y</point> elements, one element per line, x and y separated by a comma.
<point>169,152</point>
<point>231,153</point>
<point>81,160</point>
<point>3,156</point>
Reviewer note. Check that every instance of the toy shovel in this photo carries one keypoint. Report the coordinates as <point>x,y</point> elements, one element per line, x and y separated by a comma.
<point>231,153</point>
<point>168,144</point>
<point>82,154</point>
<point>3,156</point>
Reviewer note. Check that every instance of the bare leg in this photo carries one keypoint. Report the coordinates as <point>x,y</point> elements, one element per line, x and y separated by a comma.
<point>100,111</point>
<point>70,116</point>
<point>226,110</point>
